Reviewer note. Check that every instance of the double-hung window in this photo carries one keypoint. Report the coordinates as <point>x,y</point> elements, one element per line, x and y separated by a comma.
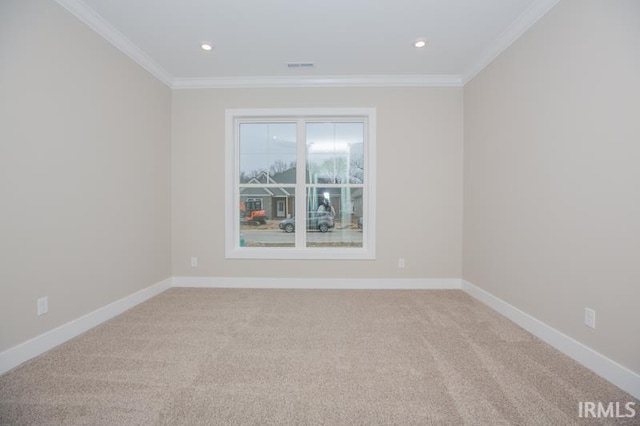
<point>300,183</point>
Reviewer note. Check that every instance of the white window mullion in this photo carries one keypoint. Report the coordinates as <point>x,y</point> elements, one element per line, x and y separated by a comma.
<point>301,191</point>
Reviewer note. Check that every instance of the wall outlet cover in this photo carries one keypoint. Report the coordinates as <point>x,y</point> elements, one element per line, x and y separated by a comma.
<point>43,305</point>
<point>590,317</point>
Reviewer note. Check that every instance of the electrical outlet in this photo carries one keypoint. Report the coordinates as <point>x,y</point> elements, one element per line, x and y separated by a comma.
<point>401,263</point>
<point>589,317</point>
<point>43,305</point>
<point>194,261</point>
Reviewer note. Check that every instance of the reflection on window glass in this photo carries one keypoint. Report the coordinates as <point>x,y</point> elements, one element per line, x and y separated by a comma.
<point>335,178</point>
<point>335,153</point>
<point>331,217</point>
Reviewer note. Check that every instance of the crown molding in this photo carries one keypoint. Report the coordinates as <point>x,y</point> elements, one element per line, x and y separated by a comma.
<point>320,81</point>
<point>87,15</point>
<point>513,32</point>
<point>525,21</point>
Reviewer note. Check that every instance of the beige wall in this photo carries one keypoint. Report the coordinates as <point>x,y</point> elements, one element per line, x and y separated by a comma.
<point>419,178</point>
<point>91,147</point>
<point>84,171</point>
<point>552,174</point>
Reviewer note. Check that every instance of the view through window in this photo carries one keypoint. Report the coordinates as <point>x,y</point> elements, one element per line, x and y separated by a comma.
<point>302,184</point>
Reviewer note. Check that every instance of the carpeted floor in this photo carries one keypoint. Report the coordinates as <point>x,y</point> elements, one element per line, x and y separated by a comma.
<point>322,357</point>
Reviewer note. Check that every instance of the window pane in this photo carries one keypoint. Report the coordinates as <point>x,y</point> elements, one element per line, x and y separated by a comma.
<point>335,153</point>
<point>266,217</point>
<point>331,217</point>
<point>267,153</point>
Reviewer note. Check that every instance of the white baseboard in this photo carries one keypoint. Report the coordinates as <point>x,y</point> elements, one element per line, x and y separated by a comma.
<point>619,375</point>
<point>322,283</point>
<point>15,356</point>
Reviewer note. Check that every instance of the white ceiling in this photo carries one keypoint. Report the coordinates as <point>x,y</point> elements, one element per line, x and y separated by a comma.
<point>350,42</point>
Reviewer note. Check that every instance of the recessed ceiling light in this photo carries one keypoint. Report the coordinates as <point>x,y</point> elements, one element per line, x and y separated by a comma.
<point>206,46</point>
<point>420,44</point>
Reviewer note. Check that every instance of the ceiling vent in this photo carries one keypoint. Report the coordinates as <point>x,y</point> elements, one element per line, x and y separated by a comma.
<point>306,65</point>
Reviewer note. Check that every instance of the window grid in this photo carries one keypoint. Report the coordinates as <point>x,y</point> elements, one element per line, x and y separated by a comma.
<point>234,247</point>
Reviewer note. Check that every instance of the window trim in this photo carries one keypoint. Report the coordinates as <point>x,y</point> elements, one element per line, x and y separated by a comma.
<point>233,117</point>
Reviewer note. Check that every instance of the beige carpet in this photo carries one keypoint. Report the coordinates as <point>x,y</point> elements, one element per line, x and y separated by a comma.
<point>277,357</point>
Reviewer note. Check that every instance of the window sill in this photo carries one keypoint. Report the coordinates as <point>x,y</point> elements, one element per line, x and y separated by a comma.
<point>305,254</point>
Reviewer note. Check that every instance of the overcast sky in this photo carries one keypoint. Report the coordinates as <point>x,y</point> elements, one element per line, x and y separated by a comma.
<point>262,144</point>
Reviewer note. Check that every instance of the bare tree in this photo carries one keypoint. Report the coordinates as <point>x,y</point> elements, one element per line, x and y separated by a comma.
<point>280,166</point>
<point>247,176</point>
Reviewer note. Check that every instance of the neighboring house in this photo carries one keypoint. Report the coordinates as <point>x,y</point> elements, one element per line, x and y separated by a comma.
<point>279,202</point>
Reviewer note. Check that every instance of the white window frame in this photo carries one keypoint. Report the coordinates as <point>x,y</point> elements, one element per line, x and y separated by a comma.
<point>233,249</point>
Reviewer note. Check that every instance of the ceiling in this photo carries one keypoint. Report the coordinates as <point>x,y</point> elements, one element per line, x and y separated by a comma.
<point>349,42</point>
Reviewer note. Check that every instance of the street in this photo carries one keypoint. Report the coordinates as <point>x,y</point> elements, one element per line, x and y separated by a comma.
<point>272,236</point>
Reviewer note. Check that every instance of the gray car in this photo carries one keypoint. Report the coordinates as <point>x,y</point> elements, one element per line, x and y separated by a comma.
<point>322,221</point>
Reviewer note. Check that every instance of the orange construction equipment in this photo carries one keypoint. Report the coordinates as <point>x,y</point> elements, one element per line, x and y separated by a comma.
<point>251,211</point>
